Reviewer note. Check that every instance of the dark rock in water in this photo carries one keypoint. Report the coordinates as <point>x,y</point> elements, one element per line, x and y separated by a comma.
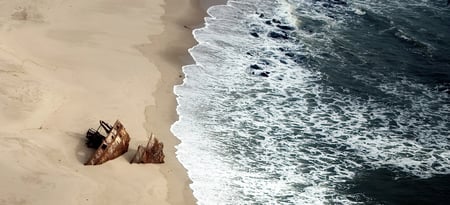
<point>254,34</point>
<point>281,49</point>
<point>331,16</point>
<point>249,53</point>
<point>298,58</point>
<point>283,62</point>
<point>284,27</point>
<point>290,54</point>
<point>255,67</point>
<point>259,73</point>
<point>261,15</point>
<point>265,74</point>
<point>276,21</point>
<point>335,2</point>
<point>278,35</point>
<point>268,22</point>
<point>338,2</point>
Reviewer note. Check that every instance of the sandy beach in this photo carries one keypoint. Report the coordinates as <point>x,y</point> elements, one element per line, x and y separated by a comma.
<point>65,65</point>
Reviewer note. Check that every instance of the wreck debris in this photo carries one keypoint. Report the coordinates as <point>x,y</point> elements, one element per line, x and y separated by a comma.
<point>113,145</point>
<point>95,137</point>
<point>153,153</point>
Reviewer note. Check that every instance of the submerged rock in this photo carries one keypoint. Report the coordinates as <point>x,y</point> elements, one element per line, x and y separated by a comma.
<point>278,35</point>
<point>289,54</point>
<point>265,74</point>
<point>276,21</point>
<point>254,34</point>
<point>285,27</point>
<point>255,67</point>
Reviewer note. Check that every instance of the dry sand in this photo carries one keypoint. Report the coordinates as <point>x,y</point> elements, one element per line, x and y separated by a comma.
<point>64,65</point>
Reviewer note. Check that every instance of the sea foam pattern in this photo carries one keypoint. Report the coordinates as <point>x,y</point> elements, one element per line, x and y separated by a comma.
<point>282,106</point>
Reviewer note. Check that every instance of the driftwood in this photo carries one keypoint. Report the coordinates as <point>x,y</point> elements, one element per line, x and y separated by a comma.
<point>153,153</point>
<point>113,145</point>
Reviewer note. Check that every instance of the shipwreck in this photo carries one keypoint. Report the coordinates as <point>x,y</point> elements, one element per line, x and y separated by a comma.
<point>152,153</point>
<point>109,142</point>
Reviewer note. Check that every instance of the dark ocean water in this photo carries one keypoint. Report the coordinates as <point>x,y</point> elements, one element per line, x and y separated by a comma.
<point>319,102</point>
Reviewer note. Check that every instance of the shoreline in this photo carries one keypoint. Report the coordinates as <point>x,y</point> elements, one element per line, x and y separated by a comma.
<point>170,53</point>
<point>175,56</point>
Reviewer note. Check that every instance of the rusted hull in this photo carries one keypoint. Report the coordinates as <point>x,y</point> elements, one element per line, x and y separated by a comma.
<point>115,144</point>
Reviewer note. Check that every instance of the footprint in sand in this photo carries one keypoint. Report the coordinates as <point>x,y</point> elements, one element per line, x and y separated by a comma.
<point>13,200</point>
<point>20,14</point>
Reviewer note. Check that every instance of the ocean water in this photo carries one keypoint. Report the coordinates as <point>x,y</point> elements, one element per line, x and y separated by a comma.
<point>318,102</point>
